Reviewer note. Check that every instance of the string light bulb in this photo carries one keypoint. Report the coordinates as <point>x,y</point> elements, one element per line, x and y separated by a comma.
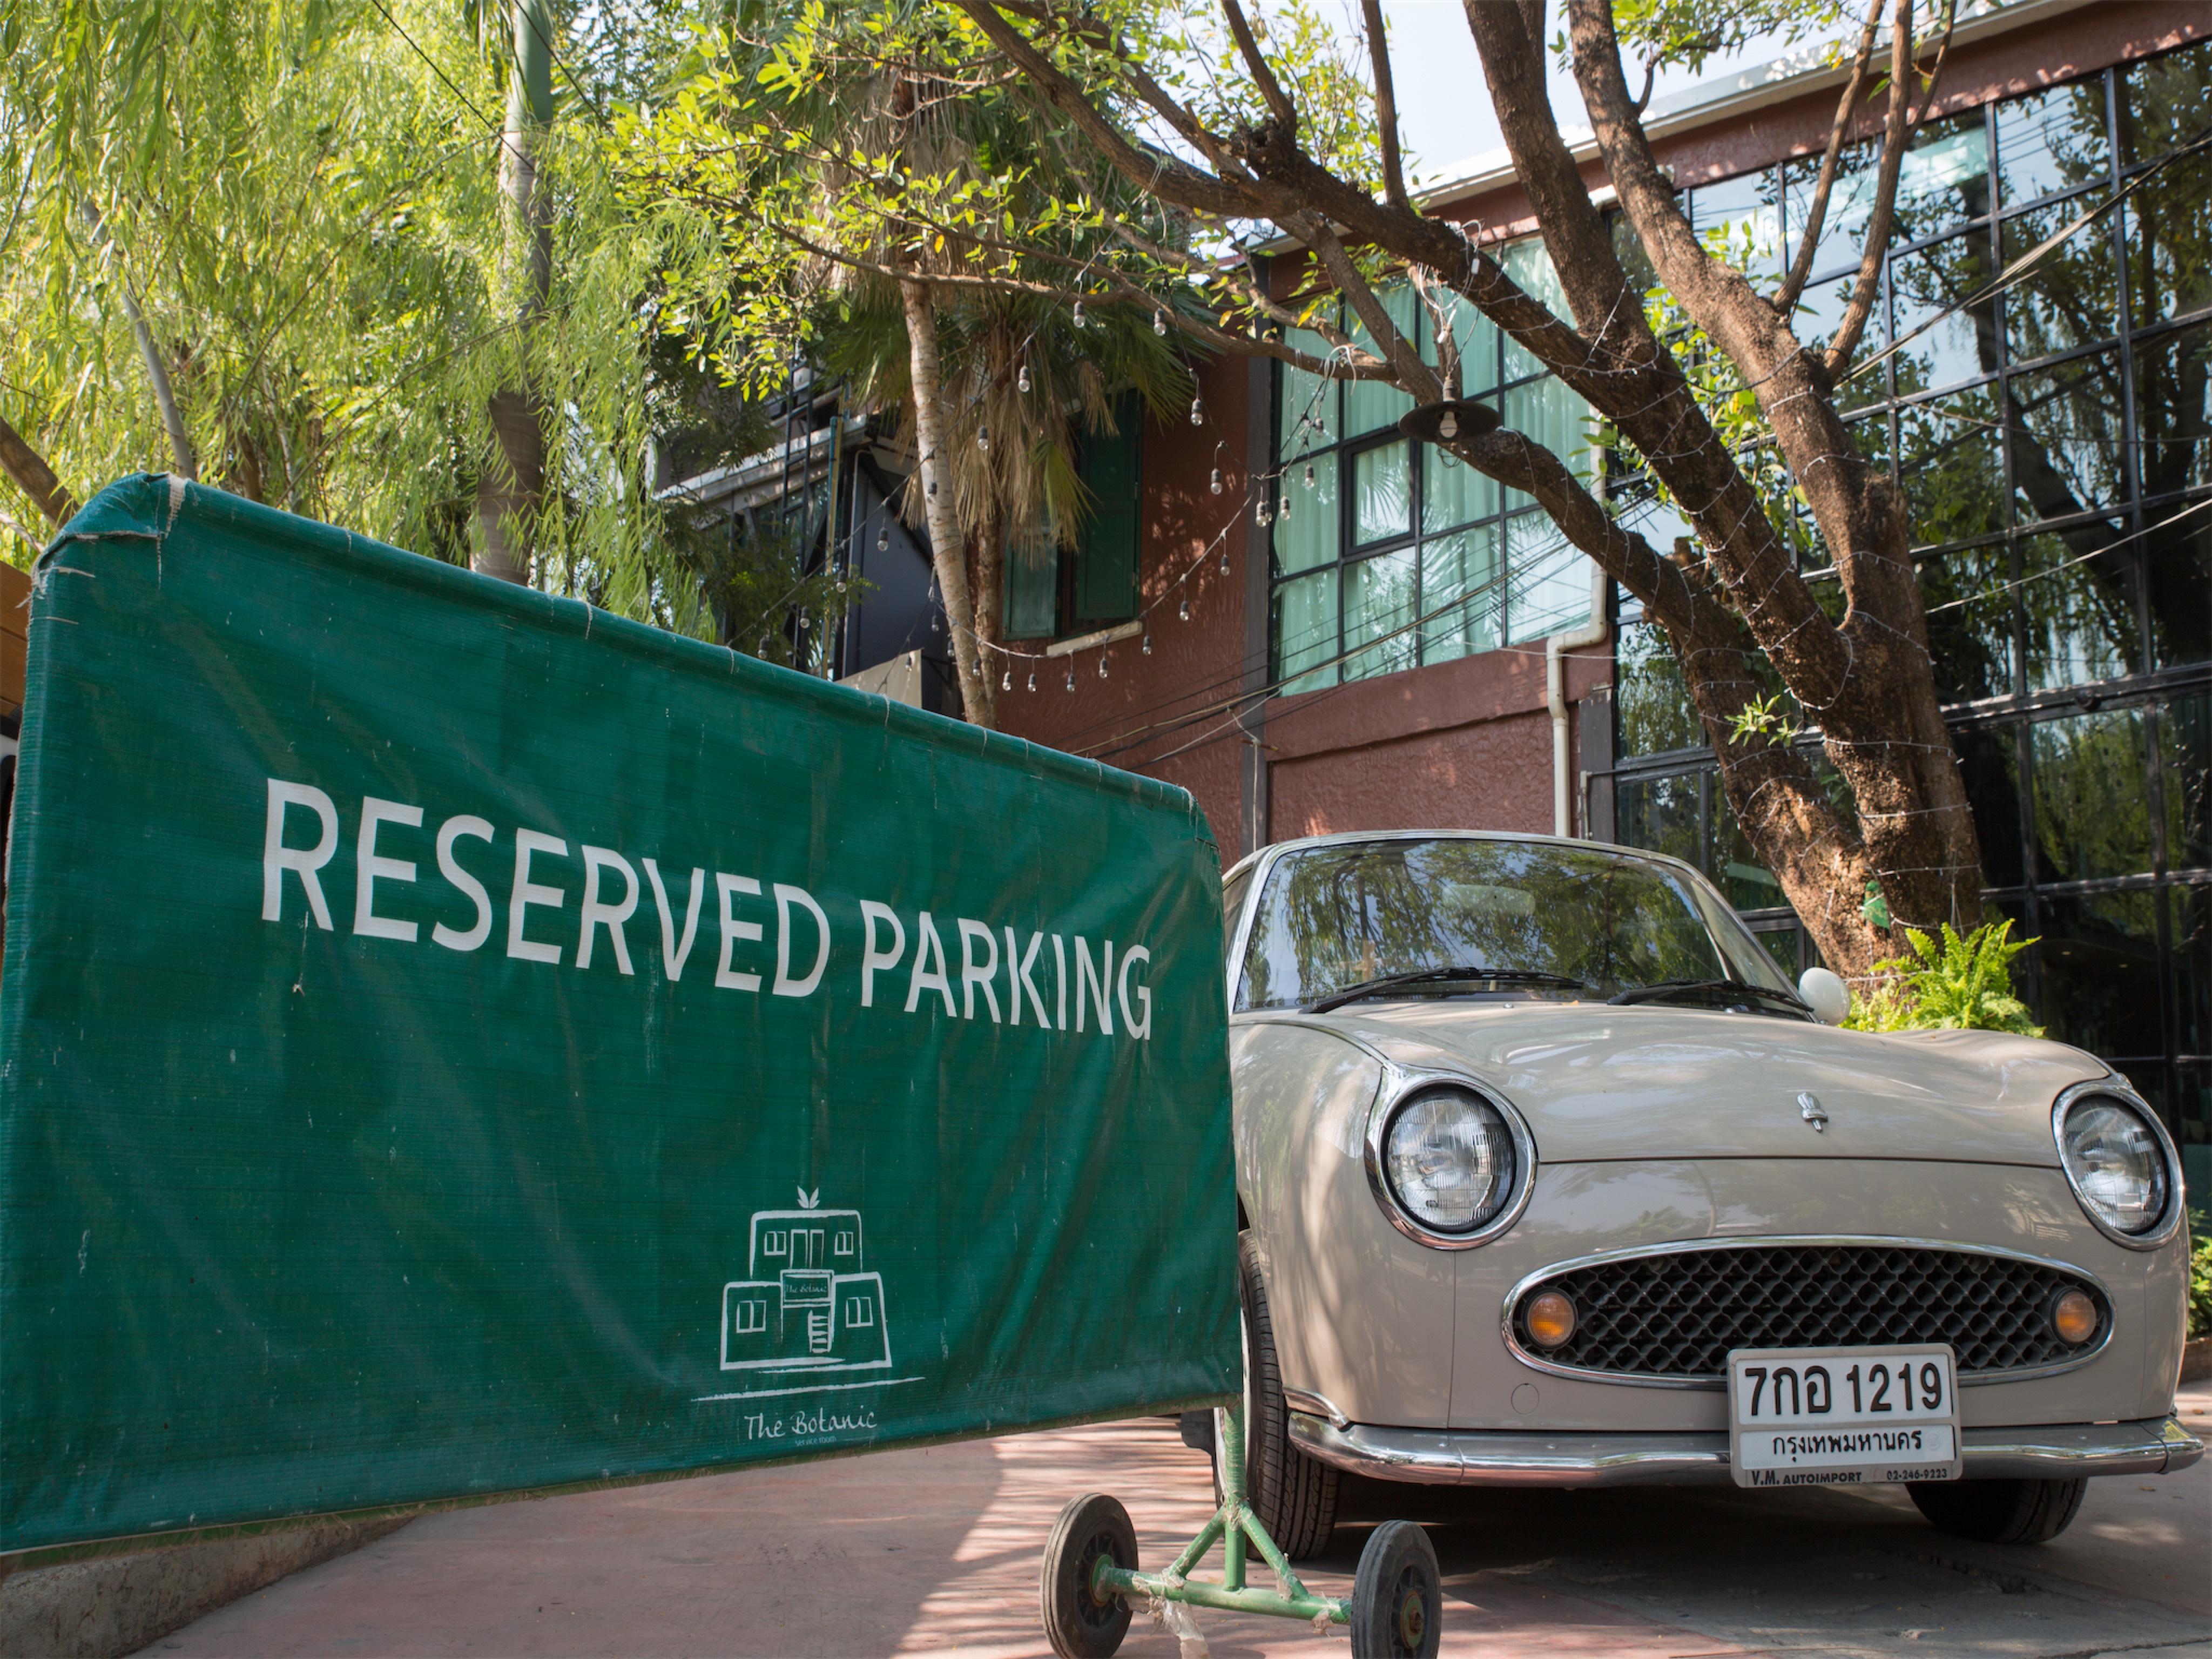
<point>1310,475</point>
<point>1160,323</point>
<point>1262,514</point>
<point>1032,679</point>
<point>1102,665</point>
<point>983,435</point>
<point>1224,560</point>
<point>1070,677</point>
<point>1148,645</point>
<point>1081,320</point>
<point>1006,681</point>
<point>1283,508</point>
<point>1022,378</point>
<point>1216,485</point>
<point>884,539</point>
<point>1182,611</point>
<point>1197,411</point>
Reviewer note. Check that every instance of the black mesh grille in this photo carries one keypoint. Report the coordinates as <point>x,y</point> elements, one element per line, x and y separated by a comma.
<point>1679,1314</point>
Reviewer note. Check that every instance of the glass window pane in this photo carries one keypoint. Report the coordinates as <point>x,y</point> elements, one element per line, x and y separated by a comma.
<point>1850,202</point>
<point>1963,346</point>
<point>1382,493</point>
<point>1305,415</point>
<point>1665,814</point>
<point>1453,567</point>
<point>2051,141</point>
<point>2098,965</point>
<point>2070,297</point>
<point>1952,467</point>
<point>2067,432</point>
<point>2185,759</point>
<point>2168,241</point>
<point>1734,866</point>
<point>1305,632</point>
<point>1475,340</point>
<point>1549,415</point>
<point>2174,411</point>
<point>1305,518</point>
<point>1988,766</point>
<point>1452,492</point>
<point>1739,220</point>
<point>2177,565</point>
<point>2078,595</point>
<point>2165,103</point>
<point>1547,579</point>
<point>1970,604</point>
<point>2092,796</point>
<point>1379,616</point>
<point>1527,263</point>
<point>1651,693</point>
<point>1371,405</point>
<point>2192,969</point>
<point>1944,178</point>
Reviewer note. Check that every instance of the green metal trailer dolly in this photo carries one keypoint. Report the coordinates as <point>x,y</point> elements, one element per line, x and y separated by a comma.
<point>1091,1584</point>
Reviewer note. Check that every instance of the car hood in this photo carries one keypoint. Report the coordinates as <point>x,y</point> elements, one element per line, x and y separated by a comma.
<point>1597,1082</point>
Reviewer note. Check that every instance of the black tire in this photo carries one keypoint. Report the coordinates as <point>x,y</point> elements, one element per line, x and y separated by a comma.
<point>1293,1495</point>
<point>1397,1599</point>
<point>2000,1511</point>
<point>1076,1622</point>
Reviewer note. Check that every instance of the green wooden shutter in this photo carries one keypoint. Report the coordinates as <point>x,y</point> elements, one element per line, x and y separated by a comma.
<point>1106,565</point>
<point>1032,587</point>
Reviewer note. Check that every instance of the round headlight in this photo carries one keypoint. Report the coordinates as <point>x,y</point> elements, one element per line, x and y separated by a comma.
<point>1449,1158</point>
<point>2115,1162</point>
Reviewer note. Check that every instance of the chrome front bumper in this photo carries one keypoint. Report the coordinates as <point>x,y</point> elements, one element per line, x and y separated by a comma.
<point>1519,1458</point>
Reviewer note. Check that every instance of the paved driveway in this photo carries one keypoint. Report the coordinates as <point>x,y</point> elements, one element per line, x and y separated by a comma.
<point>937,1551</point>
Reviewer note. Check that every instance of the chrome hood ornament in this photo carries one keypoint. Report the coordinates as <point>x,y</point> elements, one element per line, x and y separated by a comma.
<point>1809,1108</point>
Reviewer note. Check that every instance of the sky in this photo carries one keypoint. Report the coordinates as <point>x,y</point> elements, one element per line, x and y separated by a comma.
<point>1443,105</point>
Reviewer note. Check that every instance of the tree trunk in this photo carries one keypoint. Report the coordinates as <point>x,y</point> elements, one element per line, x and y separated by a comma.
<point>510,490</point>
<point>947,548</point>
<point>987,581</point>
<point>29,472</point>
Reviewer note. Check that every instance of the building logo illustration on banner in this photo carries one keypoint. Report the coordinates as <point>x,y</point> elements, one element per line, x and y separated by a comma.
<point>808,1303</point>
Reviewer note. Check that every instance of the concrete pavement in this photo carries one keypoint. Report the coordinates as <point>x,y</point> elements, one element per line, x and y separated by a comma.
<point>937,1551</point>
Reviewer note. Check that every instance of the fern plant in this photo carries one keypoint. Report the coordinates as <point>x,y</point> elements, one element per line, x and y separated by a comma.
<point>1949,983</point>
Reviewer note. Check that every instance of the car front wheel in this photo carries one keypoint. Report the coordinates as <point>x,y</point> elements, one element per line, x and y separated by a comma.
<point>1293,1495</point>
<point>2000,1511</point>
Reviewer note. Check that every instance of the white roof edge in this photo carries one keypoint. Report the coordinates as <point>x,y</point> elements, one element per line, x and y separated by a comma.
<point>1728,95</point>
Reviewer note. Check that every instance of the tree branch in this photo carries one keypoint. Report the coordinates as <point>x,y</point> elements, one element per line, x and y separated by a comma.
<point>1413,375</point>
<point>1846,339</point>
<point>1785,300</point>
<point>1263,73</point>
<point>27,470</point>
<point>1943,50</point>
<point>1385,106</point>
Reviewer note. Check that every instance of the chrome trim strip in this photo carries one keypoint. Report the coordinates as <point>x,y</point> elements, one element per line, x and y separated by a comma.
<point>1520,1457</point>
<point>1315,1405</point>
<point>1400,1083</point>
<point>2118,1087</point>
<point>1817,1240</point>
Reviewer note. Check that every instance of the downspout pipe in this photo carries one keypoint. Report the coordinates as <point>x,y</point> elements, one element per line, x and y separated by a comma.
<point>1596,631</point>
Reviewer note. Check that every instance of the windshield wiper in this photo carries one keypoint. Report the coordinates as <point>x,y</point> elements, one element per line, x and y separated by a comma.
<point>1434,975</point>
<point>1678,987</point>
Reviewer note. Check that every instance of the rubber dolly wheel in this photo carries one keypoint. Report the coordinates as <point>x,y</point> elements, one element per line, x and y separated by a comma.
<point>1077,1623</point>
<point>1397,1599</point>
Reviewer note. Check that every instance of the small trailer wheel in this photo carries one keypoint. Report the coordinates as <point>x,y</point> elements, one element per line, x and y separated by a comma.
<point>1397,1599</point>
<point>1077,1622</point>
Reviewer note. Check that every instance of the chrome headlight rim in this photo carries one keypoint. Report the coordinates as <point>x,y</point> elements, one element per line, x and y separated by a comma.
<point>2163,1231</point>
<point>1400,1088</point>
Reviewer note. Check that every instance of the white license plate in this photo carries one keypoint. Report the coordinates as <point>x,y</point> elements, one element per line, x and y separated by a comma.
<point>1809,1417</point>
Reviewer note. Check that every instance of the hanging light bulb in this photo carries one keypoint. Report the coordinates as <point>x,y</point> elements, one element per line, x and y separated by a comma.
<point>884,539</point>
<point>1262,514</point>
<point>1182,611</point>
<point>1148,645</point>
<point>1216,485</point>
<point>1032,679</point>
<point>1197,411</point>
<point>983,435</point>
<point>1448,427</point>
<point>1006,681</point>
<point>1224,561</point>
<point>1310,475</point>
<point>1022,378</point>
<point>1081,322</point>
<point>1283,508</point>
<point>1102,665</point>
<point>933,490</point>
<point>1160,324</point>
<point>1070,677</point>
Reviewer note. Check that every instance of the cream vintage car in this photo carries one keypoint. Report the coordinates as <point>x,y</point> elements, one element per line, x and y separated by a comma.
<point>1548,1176</point>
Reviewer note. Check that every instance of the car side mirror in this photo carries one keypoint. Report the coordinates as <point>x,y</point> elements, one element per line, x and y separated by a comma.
<point>1827,996</point>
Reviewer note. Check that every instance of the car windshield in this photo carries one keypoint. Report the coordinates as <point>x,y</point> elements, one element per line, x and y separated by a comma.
<point>1335,916</point>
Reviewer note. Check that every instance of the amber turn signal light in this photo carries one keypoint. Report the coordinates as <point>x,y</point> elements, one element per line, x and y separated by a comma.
<point>2074,1317</point>
<point>1552,1319</point>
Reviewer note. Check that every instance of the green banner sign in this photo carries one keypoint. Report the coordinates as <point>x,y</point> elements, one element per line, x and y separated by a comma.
<point>458,1041</point>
